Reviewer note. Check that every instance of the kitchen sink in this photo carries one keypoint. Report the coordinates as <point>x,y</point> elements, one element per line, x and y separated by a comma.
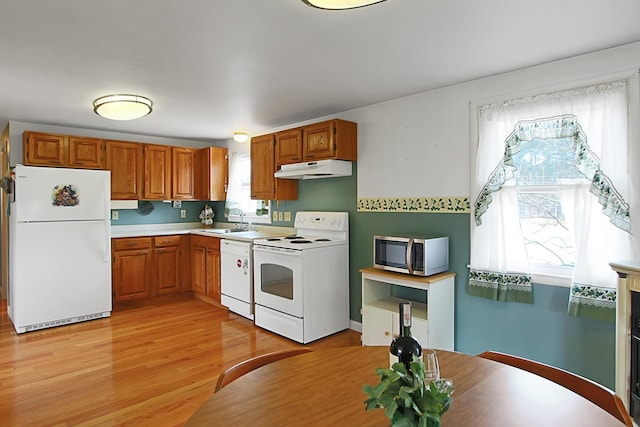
<point>222,230</point>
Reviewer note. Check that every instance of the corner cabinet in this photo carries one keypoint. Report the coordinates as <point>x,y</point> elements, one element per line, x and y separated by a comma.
<point>205,268</point>
<point>264,186</point>
<point>432,318</point>
<point>211,173</point>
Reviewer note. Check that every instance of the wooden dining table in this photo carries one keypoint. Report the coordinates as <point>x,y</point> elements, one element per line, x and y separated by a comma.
<point>324,388</point>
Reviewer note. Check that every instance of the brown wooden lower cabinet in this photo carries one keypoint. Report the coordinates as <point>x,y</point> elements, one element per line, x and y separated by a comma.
<point>205,267</point>
<point>132,268</point>
<point>144,267</point>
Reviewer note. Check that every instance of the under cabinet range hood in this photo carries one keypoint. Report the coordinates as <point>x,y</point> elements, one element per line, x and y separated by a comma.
<point>313,170</point>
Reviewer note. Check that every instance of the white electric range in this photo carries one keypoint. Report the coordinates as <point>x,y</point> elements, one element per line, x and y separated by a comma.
<point>301,282</point>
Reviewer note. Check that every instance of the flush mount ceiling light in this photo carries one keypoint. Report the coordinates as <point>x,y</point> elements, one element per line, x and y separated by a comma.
<point>122,107</point>
<point>240,137</point>
<point>340,4</point>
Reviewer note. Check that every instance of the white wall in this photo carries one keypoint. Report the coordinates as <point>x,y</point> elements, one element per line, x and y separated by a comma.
<point>419,146</point>
<point>16,130</point>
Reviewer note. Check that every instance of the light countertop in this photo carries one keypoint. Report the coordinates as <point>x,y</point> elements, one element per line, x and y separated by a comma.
<point>144,230</point>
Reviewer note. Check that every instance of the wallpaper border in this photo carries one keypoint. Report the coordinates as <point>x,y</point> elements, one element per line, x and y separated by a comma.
<point>415,204</point>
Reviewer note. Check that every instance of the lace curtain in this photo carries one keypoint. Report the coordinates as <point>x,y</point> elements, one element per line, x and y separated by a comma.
<point>593,120</point>
<point>238,205</point>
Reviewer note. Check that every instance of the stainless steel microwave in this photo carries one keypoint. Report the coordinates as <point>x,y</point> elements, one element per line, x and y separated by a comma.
<point>420,256</point>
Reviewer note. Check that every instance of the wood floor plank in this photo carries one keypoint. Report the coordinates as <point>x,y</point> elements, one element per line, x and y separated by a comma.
<point>148,365</point>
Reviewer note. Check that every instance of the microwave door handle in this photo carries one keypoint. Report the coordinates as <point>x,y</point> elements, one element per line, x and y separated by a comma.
<point>408,256</point>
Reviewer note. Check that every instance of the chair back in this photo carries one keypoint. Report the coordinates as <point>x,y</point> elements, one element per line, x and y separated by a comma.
<point>596,393</point>
<point>249,365</point>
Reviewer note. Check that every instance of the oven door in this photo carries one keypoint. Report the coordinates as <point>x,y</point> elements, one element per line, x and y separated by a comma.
<point>277,278</point>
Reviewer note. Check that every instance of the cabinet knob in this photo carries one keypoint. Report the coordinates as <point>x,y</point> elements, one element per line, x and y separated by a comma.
<point>133,244</point>
<point>386,333</point>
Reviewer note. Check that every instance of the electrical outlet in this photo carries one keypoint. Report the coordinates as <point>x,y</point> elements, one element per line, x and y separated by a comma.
<point>177,204</point>
<point>287,216</point>
<point>183,213</point>
<point>275,215</point>
<point>114,215</point>
<point>280,216</point>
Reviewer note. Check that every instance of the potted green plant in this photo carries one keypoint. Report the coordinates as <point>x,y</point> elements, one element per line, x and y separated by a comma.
<point>408,400</point>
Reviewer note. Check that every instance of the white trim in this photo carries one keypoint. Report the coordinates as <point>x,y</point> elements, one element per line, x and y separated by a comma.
<point>550,280</point>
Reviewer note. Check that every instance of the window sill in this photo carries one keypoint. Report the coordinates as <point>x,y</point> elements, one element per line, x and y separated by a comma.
<point>551,280</point>
<point>266,219</point>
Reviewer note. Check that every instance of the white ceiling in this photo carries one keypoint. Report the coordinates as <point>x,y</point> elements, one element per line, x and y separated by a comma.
<point>215,66</point>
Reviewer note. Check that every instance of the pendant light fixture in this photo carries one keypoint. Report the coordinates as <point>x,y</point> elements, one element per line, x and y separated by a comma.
<point>122,107</point>
<point>340,4</point>
<point>240,137</point>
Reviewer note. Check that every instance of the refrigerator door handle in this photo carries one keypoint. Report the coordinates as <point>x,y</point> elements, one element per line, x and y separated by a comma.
<point>107,242</point>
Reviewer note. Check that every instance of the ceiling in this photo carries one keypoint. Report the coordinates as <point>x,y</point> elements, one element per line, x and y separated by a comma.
<point>215,66</point>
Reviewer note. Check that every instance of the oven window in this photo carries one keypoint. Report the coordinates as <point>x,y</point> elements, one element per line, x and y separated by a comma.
<point>277,280</point>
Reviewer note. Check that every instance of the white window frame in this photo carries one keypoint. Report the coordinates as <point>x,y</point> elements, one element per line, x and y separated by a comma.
<point>247,217</point>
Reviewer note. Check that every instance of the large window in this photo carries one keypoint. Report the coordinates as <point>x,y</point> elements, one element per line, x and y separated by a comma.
<point>551,189</point>
<point>239,207</point>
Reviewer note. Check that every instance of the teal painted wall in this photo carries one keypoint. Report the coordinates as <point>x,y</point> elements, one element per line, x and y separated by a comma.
<point>542,331</point>
<point>162,213</point>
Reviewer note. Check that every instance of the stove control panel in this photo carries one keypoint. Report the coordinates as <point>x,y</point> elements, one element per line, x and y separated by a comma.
<point>330,221</point>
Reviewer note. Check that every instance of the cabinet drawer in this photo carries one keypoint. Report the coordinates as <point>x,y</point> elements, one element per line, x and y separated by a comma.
<point>131,243</point>
<point>161,241</point>
<point>209,242</point>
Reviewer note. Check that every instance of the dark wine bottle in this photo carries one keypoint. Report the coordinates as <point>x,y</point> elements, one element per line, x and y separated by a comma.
<point>404,346</point>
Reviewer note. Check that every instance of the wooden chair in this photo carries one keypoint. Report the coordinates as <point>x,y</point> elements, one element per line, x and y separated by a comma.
<point>239,369</point>
<point>596,393</point>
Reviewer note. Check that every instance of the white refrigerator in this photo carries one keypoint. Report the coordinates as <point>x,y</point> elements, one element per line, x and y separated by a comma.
<point>59,247</point>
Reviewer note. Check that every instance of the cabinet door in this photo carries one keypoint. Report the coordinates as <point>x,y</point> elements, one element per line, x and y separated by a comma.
<point>124,160</point>
<point>213,274</point>
<point>157,172</point>
<point>198,268</point>
<point>377,326</point>
<point>319,141</point>
<point>183,164</point>
<point>86,153</point>
<point>168,271</point>
<point>167,262</point>
<point>264,186</point>
<point>333,139</point>
<point>288,147</point>
<point>41,149</point>
<point>211,173</point>
<point>131,274</point>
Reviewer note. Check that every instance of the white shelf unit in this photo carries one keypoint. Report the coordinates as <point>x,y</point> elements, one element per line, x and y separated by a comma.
<point>432,322</point>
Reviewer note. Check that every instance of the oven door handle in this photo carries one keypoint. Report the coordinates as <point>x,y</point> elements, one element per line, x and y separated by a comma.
<point>276,251</point>
<point>408,257</point>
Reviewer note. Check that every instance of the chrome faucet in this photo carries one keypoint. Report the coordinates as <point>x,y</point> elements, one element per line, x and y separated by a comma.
<point>242,225</point>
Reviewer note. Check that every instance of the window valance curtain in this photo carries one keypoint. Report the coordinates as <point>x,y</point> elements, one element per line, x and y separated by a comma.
<point>592,121</point>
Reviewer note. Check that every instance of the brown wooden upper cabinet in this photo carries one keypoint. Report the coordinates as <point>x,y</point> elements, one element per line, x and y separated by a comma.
<point>44,149</point>
<point>333,139</point>
<point>264,186</point>
<point>124,160</point>
<point>183,173</point>
<point>157,172</point>
<point>288,147</point>
<point>211,173</point>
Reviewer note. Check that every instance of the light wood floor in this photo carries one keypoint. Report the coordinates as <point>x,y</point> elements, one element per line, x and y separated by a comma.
<point>152,365</point>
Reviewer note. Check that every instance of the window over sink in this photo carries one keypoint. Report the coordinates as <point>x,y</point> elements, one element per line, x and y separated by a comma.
<point>239,207</point>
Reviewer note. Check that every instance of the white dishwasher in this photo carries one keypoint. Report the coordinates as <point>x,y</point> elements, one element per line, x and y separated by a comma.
<point>237,277</point>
